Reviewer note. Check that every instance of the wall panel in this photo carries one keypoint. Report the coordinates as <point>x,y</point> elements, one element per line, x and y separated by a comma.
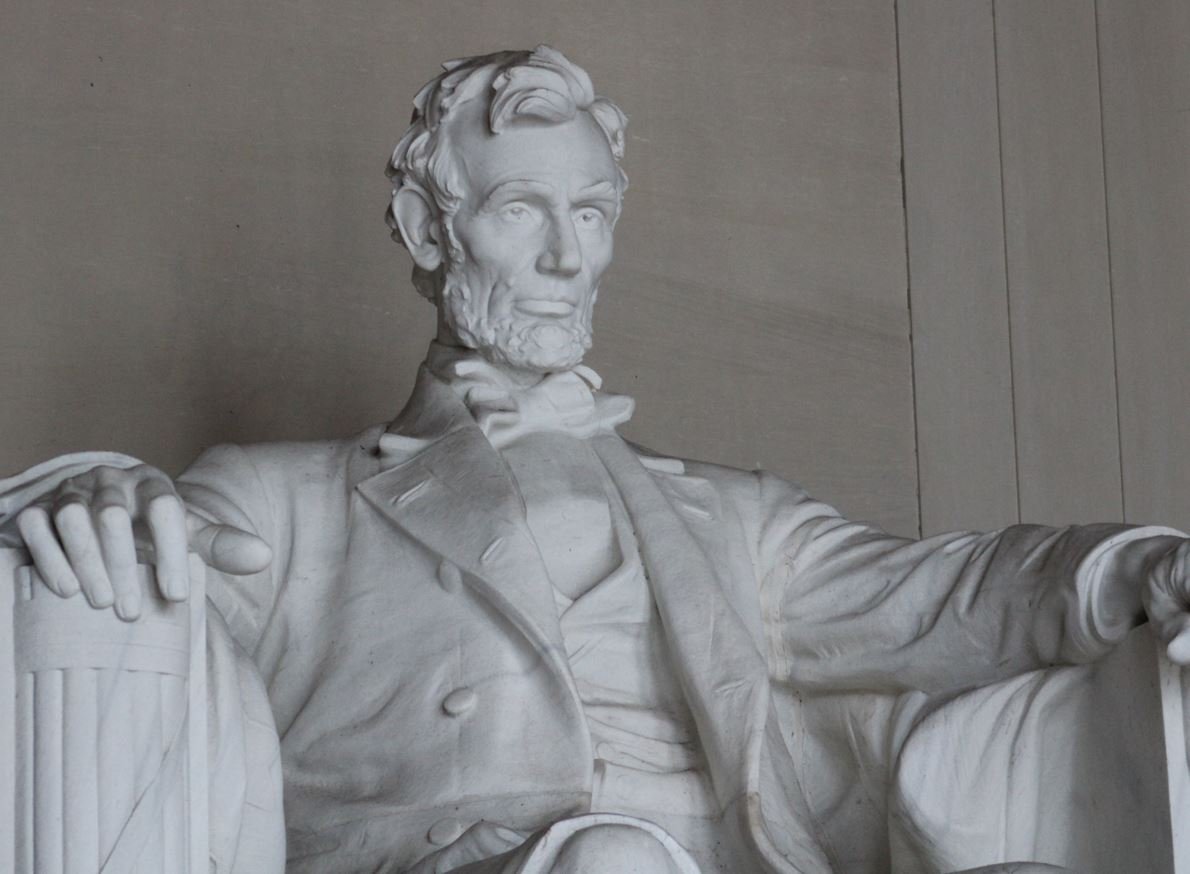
<point>1058,282</point>
<point>1145,74</point>
<point>954,211</point>
<point>1064,123</point>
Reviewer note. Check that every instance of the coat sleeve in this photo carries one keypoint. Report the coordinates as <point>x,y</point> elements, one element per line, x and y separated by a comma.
<point>224,484</point>
<point>850,607</point>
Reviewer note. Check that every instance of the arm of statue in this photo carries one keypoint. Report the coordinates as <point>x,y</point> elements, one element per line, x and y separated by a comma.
<point>83,536</point>
<point>849,606</point>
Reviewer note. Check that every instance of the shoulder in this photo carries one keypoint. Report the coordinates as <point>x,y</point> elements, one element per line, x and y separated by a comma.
<point>770,509</point>
<point>733,483</point>
<point>287,464</point>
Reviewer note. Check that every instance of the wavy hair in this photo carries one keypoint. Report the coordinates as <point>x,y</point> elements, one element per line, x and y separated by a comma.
<point>542,85</point>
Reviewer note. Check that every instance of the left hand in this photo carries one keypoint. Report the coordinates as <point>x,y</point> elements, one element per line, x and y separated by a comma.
<point>1166,595</point>
<point>484,840</point>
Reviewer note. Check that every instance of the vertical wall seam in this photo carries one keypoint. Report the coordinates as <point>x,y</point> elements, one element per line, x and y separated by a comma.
<point>908,271</point>
<point>1016,451</point>
<point>1111,279</point>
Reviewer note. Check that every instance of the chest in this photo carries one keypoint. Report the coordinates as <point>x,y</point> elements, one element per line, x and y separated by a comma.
<point>565,491</point>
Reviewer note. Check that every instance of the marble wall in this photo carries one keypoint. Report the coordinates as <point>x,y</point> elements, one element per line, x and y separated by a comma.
<point>1047,197</point>
<point>194,249</point>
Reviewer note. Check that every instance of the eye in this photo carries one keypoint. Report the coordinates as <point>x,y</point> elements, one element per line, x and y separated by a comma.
<point>516,213</point>
<point>589,217</point>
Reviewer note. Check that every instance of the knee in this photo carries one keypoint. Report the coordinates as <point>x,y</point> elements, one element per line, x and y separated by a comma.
<point>1017,868</point>
<point>614,849</point>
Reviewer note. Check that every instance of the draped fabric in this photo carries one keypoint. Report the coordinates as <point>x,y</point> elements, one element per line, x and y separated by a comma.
<point>568,402</point>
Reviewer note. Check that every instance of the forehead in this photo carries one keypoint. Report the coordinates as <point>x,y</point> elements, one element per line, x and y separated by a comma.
<point>572,155</point>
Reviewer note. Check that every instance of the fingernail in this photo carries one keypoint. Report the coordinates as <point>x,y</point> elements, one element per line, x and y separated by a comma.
<point>171,587</point>
<point>127,607</point>
<point>68,587</point>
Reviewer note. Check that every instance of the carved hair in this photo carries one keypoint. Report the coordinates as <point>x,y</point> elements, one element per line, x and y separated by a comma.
<point>541,85</point>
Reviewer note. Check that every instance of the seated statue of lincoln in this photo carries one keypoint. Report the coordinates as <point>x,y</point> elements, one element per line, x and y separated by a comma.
<point>492,635</point>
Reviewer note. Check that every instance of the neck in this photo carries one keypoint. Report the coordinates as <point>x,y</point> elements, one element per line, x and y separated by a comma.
<point>520,376</point>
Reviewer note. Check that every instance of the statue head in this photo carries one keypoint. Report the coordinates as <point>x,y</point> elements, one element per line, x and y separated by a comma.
<point>506,191</point>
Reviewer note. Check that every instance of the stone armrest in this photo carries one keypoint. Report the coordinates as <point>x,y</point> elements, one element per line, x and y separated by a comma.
<point>102,730</point>
<point>1082,767</point>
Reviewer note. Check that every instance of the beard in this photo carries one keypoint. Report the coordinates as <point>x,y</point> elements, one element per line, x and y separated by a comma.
<point>524,342</point>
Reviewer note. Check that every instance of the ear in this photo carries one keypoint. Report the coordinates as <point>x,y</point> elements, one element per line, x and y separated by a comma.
<point>417,220</point>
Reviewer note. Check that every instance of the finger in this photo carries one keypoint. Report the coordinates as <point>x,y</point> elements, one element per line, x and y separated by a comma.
<point>167,524</point>
<point>77,533</point>
<point>226,548</point>
<point>1179,571</point>
<point>38,534</point>
<point>1175,632</point>
<point>482,841</point>
<point>1163,600</point>
<point>1179,648</point>
<point>492,839</point>
<point>119,549</point>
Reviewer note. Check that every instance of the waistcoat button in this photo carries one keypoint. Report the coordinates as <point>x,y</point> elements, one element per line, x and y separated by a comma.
<point>449,576</point>
<point>459,701</point>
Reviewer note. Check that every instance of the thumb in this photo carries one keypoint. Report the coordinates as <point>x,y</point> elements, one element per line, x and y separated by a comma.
<point>493,839</point>
<point>227,548</point>
<point>483,841</point>
<point>1179,648</point>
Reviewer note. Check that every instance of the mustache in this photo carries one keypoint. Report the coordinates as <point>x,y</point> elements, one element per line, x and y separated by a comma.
<point>521,340</point>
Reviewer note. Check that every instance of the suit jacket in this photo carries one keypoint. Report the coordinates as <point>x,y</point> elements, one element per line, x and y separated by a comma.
<point>407,635</point>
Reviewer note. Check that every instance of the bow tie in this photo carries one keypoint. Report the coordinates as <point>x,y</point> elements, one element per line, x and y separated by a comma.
<point>568,402</point>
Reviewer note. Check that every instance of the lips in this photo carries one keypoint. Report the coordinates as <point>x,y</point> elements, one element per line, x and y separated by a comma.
<point>551,308</point>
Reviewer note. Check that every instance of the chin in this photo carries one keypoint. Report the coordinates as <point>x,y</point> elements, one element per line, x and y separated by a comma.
<point>534,346</point>
<point>539,345</point>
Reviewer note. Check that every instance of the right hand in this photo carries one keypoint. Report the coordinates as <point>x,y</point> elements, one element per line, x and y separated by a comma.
<point>83,537</point>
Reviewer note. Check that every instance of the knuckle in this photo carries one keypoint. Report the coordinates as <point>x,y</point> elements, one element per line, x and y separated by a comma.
<point>112,516</point>
<point>71,488</point>
<point>105,474</point>
<point>32,517</point>
<point>108,497</point>
<point>70,510</point>
<point>163,504</point>
<point>147,475</point>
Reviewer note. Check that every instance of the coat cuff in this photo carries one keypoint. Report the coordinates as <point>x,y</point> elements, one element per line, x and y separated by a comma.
<point>1093,632</point>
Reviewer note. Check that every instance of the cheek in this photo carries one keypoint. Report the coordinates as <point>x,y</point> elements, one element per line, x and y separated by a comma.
<point>497,255</point>
<point>598,255</point>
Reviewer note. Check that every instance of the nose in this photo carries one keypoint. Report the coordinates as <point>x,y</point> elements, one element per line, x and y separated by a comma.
<point>562,255</point>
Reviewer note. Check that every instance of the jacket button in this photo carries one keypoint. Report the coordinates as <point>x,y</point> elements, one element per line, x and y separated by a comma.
<point>459,701</point>
<point>444,831</point>
<point>449,576</point>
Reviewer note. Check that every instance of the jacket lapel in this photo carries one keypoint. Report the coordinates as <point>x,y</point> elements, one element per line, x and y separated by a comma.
<point>443,484</point>
<point>719,666</point>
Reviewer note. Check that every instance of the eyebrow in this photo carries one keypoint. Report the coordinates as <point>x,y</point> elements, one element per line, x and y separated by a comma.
<point>602,187</point>
<point>533,184</point>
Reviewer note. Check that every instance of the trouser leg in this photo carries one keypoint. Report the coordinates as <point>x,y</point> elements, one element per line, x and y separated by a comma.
<point>1017,868</point>
<point>247,824</point>
<point>597,843</point>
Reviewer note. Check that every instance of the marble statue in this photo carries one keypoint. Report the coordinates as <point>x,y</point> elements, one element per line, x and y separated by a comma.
<point>494,636</point>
